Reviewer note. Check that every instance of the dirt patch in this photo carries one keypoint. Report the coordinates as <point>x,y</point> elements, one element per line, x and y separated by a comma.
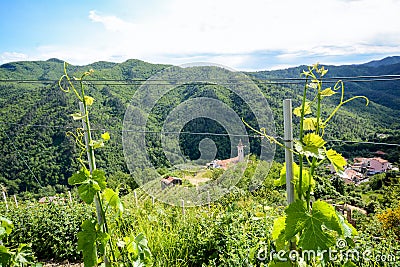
<point>197,180</point>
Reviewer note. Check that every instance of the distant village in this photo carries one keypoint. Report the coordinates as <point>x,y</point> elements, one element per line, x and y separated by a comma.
<point>356,173</point>
<point>362,168</point>
<point>224,164</point>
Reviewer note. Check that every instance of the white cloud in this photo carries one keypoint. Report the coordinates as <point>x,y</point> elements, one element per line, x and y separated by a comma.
<point>111,23</point>
<point>232,32</point>
<point>229,27</point>
<point>12,56</point>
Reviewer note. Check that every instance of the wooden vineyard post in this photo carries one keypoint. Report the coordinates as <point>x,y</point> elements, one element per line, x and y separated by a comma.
<point>135,195</point>
<point>16,202</point>
<point>288,139</point>
<point>70,196</point>
<point>209,199</point>
<point>5,199</point>
<point>183,206</point>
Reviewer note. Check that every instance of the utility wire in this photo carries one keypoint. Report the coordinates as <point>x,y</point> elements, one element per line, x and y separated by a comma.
<point>133,131</point>
<point>391,76</point>
<point>189,133</point>
<point>364,142</point>
<point>39,125</point>
<point>272,80</point>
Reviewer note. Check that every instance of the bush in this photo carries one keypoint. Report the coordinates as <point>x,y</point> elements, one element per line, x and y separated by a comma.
<point>390,220</point>
<point>50,228</point>
<point>227,234</point>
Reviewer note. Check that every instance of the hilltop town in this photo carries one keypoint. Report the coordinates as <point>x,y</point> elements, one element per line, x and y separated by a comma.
<point>361,169</point>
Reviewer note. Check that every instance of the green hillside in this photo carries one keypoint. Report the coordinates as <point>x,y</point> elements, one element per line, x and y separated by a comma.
<point>386,93</point>
<point>34,116</point>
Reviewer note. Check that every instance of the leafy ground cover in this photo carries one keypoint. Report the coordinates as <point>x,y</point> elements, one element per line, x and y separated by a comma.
<point>235,231</point>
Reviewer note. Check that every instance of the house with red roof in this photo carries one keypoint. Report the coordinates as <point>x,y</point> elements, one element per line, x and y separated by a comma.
<point>170,181</point>
<point>225,163</point>
<point>378,165</point>
<point>371,165</point>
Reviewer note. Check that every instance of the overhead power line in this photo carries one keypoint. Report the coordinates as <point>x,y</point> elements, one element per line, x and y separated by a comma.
<point>67,128</point>
<point>189,133</point>
<point>272,80</point>
<point>364,142</point>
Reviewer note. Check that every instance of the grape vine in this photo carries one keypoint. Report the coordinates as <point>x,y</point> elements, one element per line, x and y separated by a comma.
<point>98,239</point>
<point>311,226</point>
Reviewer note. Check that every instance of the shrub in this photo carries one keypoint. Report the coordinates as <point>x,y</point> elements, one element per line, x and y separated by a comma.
<point>390,220</point>
<point>50,228</point>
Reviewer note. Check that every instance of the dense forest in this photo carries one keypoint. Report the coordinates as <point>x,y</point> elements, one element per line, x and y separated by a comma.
<point>35,116</point>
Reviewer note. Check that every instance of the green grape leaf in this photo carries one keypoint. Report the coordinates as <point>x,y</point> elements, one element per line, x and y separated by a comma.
<point>323,71</point>
<point>141,240</point>
<point>348,229</point>
<point>88,190</point>
<point>131,246</point>
<point>279,226</point>
<point>102,239</point>
<point>313,225</point>
<point>282,177</point>
<point>144,250</point>
<point>327,92</point>
<point>100,177</point>
<point>313,140</point>
<point>5,256</point>
<point>310,124</point>
<point>24,255</point>
<point>96,143</point>
<point>89,100</point>
<point>89,237</point>
<point>6,226</point>
<point>309,151</point>
<point>307,109</point>
<point>79,177</point>
<point>296,218</point>
<point>337,160</point>
<point>307,178</point>
<point>87,242</point>
<point>112,198</point>
<point>77,116</point>
<point>105,136</point>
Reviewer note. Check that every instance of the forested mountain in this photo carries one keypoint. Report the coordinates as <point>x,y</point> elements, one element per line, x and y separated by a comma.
<point>381,90</point>
<point>34,115</point>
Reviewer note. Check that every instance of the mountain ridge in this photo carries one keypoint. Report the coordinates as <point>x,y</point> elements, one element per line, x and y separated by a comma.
<point>383,62</point>
<point>384,91</point>
<point>34,117</point>
<point>390,60</point>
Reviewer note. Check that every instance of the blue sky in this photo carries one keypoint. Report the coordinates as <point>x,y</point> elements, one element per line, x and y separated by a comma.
<point>244,35</point>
